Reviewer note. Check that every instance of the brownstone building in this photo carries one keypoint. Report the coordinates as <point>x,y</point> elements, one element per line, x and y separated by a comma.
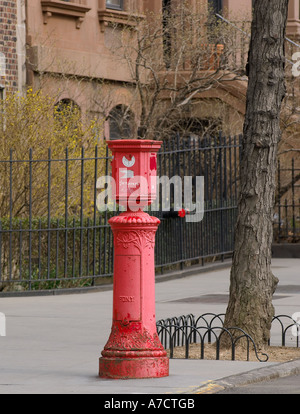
<point>72,53</point>
<point>70,49</point>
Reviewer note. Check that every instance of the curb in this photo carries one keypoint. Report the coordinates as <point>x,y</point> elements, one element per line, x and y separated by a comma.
<point>281,370</point>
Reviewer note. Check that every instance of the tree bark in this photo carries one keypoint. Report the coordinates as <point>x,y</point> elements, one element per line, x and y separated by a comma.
<point>252,282</point>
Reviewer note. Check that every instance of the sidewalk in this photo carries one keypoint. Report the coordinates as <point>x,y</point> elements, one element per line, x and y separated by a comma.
<point>53,343</point>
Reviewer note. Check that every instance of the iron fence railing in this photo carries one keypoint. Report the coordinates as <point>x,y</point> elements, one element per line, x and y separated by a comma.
<point>188,331</point>
<point>217,160</point>
<point>287,209</point>
<point>52,236</point>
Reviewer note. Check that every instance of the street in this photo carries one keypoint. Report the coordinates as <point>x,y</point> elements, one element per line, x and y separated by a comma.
<point>287,385</point>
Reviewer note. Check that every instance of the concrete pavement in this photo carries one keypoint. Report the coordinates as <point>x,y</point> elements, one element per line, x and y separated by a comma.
<point>53,343</point>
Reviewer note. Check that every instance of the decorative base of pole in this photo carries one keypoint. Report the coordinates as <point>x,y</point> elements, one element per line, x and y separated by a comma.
<point>133,350</point>
<point>133,368</point>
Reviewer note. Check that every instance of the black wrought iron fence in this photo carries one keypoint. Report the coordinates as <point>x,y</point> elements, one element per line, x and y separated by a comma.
<point>287,209</point>
<point>52,235</point>
<point>185,334</point>
<point>217,161</point>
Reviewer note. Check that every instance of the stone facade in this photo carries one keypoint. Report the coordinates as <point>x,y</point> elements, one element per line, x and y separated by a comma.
<point>71,41</point>
<point>64,47</point>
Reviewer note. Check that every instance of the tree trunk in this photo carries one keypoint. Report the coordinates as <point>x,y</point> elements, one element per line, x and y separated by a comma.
<point>252,282</point>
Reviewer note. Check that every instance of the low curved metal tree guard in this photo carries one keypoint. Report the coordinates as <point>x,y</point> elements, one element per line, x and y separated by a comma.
<point>284,329</point>
<point>186,330</point>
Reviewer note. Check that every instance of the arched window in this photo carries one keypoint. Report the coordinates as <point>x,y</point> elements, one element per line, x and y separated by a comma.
<point>121,123</point>
<point>67,114</point>
<point>66,111</point>
<point>67,107</point>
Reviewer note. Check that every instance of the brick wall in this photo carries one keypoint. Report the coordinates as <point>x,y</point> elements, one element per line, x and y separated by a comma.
<point>8,39</point>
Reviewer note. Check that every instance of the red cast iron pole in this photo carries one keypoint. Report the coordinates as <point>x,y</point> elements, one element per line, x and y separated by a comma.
<point>134,349</point>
